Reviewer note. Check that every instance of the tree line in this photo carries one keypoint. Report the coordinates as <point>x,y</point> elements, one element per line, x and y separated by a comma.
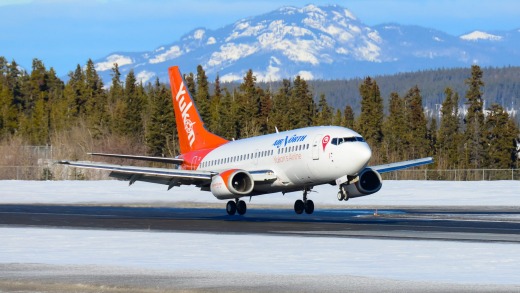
<point>39,107</point>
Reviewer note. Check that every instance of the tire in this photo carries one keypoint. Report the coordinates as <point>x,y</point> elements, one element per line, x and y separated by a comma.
<point>309,207</point>
<point>340,196</point>
<point>345,193</point>
<point>241,207</point>
<point>231,208</point>
<point>299,206</point>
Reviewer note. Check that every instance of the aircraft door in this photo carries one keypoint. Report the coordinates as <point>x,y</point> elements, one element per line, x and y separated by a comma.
<point>316,147</point>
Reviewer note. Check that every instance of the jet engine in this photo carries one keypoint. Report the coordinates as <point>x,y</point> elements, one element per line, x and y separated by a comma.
<point>231,183</point>
<point>368,181</point>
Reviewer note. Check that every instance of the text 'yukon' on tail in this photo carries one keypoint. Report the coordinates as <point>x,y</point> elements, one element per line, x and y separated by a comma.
<point>190,127</point>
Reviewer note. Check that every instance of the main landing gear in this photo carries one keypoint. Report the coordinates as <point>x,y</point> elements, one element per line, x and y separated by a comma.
<point>342,193</point>
<point>306,205</point>
<point>233,207</point>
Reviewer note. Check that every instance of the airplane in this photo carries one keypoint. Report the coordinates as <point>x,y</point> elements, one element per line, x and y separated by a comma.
<point>288,161</point>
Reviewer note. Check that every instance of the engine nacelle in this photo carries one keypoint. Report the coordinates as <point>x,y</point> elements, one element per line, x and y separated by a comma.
<point>368,181</point>
<point>231,183</point>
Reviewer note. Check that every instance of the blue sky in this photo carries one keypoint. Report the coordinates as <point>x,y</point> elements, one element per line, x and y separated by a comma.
<point>64,33</point>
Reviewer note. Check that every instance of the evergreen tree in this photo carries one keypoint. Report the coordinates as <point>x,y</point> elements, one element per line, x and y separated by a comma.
<point>215,108</point>
<point>279,118</point>
<point>349,117</point>
<point>75,92</point>
<point>35,125</point>
<point>249,99</point>
<point>371,117</point>
<point>116,106</point>
<point>229,112</point>
<point>190,84</point>
<point>302,107</point>
<point>60,117</point>
<point>432,137</point>
<point>202,97</point>
<point>132,119</point>
<point>8,111</point>
<point>324,115</point>
<point>416,124</point>
<point>337,120</point>
<point>500,132</point>
<point>95,105</point>
<point>161,129</point>
<point>448,137</point>
<point>266,105</point>
<point>395,130</point>
<point>474,133</point>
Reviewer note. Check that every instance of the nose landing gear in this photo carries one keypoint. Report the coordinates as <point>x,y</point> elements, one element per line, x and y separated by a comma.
<point>342,193</point>
<point>306,205</point>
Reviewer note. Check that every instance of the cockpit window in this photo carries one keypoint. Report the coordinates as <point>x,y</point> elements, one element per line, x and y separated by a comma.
<point>340,140</point>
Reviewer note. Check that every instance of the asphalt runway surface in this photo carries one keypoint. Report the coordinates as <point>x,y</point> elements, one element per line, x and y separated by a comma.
<point>485,224</point>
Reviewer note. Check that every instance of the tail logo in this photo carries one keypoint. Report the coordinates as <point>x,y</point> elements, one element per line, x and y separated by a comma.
<point>188,124</point>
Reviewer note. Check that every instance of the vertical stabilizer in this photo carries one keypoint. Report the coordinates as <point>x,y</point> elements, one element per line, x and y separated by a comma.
<point>190,127</point>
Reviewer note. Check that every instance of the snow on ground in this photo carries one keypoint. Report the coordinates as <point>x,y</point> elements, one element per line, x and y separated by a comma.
<point>438,261</point>
<point>443,261</point>
<point>393,193</point>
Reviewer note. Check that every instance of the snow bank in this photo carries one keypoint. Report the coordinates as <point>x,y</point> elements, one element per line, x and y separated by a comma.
<point>393,193</point>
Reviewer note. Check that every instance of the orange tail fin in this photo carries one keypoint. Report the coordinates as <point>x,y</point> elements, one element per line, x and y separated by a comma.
<point>190,127</point>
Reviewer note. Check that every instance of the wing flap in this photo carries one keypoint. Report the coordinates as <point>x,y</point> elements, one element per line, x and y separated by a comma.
<point>402,165</point>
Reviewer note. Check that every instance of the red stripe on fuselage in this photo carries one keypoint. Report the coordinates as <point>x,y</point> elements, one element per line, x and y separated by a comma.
<point>192,159</point>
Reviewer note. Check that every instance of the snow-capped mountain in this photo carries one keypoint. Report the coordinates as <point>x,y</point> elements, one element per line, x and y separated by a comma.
<point>317,43</point>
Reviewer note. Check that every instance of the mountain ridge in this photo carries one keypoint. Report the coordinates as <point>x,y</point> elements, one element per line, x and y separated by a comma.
<point>315,42</point>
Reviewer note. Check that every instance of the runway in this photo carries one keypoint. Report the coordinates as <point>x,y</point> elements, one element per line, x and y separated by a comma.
<point>493,224</point>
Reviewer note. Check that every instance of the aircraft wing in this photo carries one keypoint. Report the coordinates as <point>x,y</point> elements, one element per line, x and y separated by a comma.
<point>170,177</point>
<point>402,165</point>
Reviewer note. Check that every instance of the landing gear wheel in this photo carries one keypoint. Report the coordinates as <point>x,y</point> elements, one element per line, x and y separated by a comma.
<point>299,206</point>
<point>241,207</point>
<point>309,207</point>
<point>340,196</point>
<point>343,190</point>
<point>231,207</point>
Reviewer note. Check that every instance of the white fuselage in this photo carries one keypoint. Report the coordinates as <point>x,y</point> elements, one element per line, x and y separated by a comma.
<point>300,158</point>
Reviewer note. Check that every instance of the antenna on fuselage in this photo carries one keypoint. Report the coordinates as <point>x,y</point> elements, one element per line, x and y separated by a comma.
<point>276,128</point>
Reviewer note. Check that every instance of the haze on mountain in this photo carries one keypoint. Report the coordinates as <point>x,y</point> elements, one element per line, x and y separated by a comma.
<point>325,42</point>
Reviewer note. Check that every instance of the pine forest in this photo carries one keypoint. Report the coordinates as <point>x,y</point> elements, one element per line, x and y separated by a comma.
<point>126,116</point>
